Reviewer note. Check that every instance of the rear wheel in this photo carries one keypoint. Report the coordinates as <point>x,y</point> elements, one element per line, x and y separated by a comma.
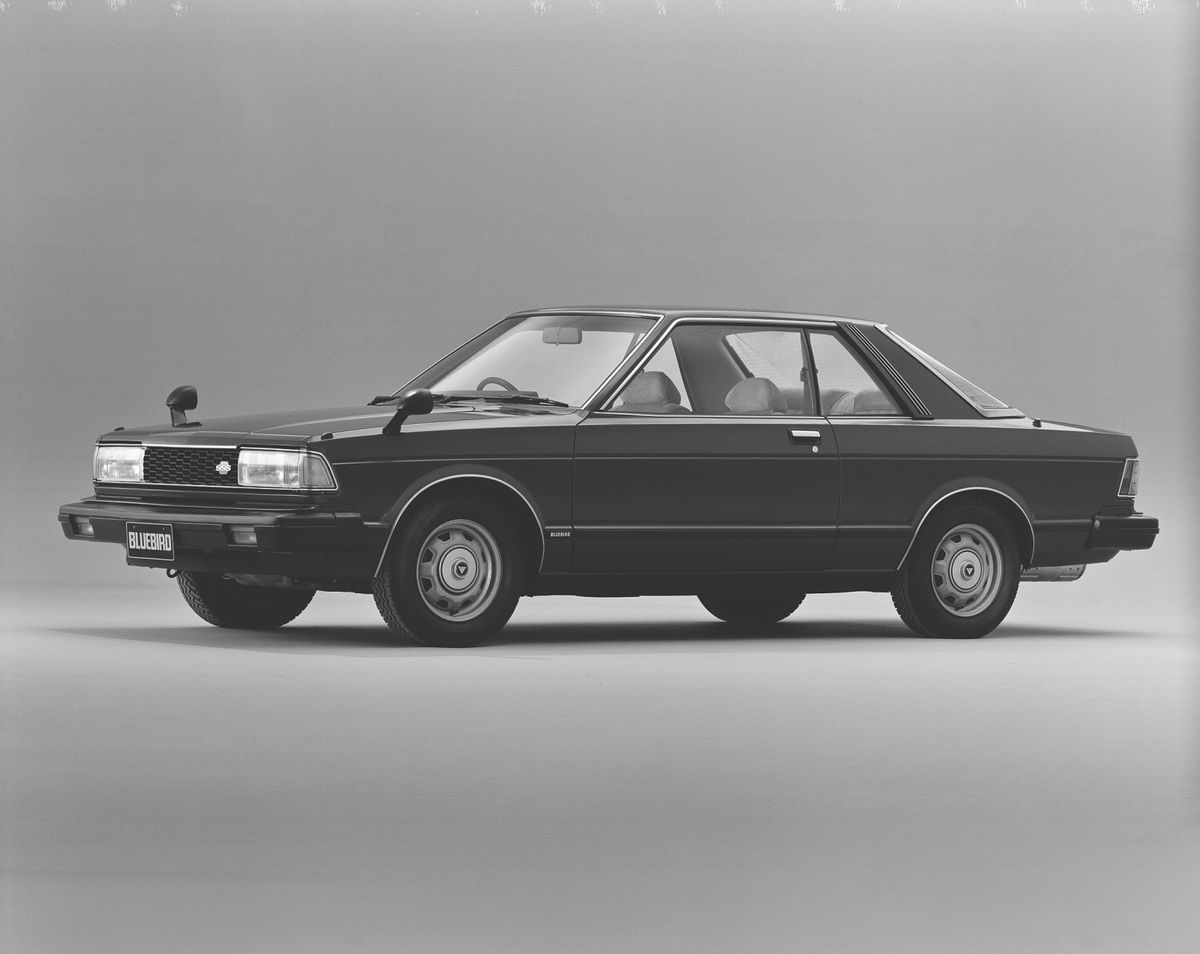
<point>233,605</point>
<point>751,608</point>
<point>960,578</point>
<point>454,576</point>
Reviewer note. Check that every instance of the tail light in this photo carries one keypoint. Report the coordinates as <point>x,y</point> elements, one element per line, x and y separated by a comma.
<point>1129,478</point>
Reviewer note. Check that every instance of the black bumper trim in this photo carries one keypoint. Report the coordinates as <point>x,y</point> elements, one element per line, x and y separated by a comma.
<point>297,542</point>
<point>1132,532</point>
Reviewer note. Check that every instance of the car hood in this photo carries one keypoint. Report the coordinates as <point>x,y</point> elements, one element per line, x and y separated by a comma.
<point>289,428</point>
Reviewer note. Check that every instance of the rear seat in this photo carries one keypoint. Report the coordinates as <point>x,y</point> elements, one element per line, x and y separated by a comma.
<point>830,398</point>
<point>868,401</point>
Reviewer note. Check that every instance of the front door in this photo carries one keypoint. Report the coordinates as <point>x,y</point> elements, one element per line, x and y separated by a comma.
<point>708,458</point>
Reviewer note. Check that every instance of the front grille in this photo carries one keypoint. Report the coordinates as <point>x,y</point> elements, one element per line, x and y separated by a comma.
<point>190,465</point>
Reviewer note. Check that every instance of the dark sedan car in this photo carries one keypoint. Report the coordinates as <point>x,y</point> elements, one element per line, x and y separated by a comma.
<point>749,458</point>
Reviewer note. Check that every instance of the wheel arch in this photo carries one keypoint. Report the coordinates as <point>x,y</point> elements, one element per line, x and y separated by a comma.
<point>1004,500</point>
<point>486,482</point>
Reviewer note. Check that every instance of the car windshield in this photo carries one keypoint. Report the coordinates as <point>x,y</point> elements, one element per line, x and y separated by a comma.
<point>562,358</point>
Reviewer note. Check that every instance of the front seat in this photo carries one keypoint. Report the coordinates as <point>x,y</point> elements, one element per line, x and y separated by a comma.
<point>756,396</point>
<point>651,392</point>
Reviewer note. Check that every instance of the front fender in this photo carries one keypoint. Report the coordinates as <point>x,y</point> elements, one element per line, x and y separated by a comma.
<point>444,477</point>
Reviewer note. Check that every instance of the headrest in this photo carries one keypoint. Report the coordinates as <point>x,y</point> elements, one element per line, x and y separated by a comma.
<point>756,396</point>
<point>870,401</point>
<point>830,398</point>
<point>651,387</point>
<point>844,404</point>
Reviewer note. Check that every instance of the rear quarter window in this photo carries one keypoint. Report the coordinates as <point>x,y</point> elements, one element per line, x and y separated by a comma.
<point>972,392</point>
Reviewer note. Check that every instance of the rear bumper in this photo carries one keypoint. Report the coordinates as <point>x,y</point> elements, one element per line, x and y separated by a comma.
<point>1132,532</point>
<point>301,543</point>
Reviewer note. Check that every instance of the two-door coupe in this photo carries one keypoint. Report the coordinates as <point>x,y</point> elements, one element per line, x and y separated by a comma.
<point>748,458</point>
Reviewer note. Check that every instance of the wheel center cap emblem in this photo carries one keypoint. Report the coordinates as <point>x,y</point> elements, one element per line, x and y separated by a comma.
<point>223,468</point>
<point>460,568</point>
<point>969,570</point>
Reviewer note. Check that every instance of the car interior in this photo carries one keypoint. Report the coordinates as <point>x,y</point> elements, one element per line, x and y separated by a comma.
<point>703,369</point>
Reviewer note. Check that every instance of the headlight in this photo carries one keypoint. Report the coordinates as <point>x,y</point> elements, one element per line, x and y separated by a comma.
<point>1129,478</point>
<point>284,470</point>
<point>117,462</point>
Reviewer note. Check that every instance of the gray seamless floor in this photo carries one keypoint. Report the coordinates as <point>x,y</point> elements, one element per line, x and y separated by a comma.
<point>611,776</point>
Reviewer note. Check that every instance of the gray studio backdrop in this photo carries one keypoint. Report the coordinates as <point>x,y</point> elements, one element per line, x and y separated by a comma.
<point>295,205</point>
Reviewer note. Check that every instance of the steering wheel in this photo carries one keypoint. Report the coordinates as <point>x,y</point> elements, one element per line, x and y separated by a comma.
<point>492,379</point>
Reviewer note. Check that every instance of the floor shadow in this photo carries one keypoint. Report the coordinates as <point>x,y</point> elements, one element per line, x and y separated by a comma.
<point>797,629</point>
<point>355,640</point>
<point>630,636</point>
<point>701,632</point>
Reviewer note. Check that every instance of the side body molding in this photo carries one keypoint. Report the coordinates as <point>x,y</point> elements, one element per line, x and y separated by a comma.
<point>442,477</point>
<point>942,495</point>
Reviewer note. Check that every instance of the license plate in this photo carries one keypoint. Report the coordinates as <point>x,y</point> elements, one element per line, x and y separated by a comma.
<point>154,541</point>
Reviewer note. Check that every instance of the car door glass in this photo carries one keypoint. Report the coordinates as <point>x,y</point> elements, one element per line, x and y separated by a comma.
<point>711,369</point>
<point>848,388</point>
<point>666,361</point>
<point>658,388</point>
<point>778,355</point>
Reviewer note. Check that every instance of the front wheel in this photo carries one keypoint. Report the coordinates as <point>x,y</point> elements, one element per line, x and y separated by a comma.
<point>748,608</point>
<point>227,603</point>
<point>454,576</point>
<point>960,578</point>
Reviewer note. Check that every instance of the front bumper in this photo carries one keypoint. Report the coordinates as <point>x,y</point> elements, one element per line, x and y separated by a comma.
<point>303,543</point>
<point>1133,532</point>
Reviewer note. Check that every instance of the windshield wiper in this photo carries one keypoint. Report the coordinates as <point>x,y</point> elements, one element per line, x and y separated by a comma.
<point>520,397</point>
<point>465,397</point>
<point>449,398</point>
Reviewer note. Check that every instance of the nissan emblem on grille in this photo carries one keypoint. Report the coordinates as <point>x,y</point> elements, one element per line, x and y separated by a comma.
<point>223,468</point>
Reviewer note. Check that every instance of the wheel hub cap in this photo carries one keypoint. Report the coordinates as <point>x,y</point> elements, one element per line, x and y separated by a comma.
<point>458,570</point>
<point>967,570</point>
<point>964,570</point>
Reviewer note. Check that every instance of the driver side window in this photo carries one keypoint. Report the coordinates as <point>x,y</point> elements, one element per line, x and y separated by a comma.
<point>659,387</point>
<point>723,369</point>
<point>776,354</point>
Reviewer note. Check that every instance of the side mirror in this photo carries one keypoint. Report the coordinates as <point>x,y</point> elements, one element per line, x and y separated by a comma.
<point>180,401</point>
<point>419,401</point>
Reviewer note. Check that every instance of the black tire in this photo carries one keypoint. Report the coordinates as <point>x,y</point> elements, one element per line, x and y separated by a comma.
<point>233,605</point>
<point>750,608</point>
<point>960,578</point>
<point>419,592</point>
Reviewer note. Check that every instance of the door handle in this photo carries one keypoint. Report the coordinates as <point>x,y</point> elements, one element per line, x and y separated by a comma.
<point>800,436</point>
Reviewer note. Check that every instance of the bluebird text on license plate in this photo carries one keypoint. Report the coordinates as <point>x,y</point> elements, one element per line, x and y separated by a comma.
<point>152,540</point>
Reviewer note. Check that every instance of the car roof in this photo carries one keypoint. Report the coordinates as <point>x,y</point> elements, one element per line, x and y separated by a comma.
<point>642,311</point>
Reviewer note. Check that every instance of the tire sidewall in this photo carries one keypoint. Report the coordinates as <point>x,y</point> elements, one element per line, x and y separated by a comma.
<point>233,605</point>
<point>936,618</point>
<point>425,626</point>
